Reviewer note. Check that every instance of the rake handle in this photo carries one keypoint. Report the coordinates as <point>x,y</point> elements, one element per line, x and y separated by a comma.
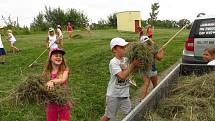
<point>38,57</point>
<point>43,52</point>
<point>164,46</point>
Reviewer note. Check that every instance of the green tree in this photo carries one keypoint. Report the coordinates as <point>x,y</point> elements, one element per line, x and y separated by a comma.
<point>154,13</point>
<point>39,23</point>
<point>55,16</point>
<point>182,22</point>
<point>112,20</point>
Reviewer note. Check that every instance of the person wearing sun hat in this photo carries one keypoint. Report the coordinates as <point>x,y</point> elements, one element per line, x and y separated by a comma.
<point>117,95</point>
<point>152,74</point>
<point>59,36</point>
<point>51,41</point>
<point>12,41</point>
<point>56,50</point>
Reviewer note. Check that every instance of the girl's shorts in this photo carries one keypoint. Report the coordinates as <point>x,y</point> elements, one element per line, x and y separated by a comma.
<point>53,110</point>
<point>2,51</point>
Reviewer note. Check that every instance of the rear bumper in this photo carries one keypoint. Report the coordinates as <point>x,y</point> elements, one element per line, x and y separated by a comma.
<point>191,60</point>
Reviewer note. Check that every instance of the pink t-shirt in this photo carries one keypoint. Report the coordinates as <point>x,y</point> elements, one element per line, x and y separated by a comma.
<point>54,76</point>
<point>69,28</point>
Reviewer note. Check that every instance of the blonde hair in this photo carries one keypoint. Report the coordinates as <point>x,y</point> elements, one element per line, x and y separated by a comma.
<point>9,31</point>
<point>211,51</point>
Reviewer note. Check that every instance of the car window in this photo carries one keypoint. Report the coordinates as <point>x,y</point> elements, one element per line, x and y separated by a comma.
<point>204,28</point>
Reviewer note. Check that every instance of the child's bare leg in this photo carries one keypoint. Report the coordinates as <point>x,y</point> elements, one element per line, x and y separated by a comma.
<point>2,58</point>
<point>154,80</point>
<point>145,87</point>
<point>104,118</point>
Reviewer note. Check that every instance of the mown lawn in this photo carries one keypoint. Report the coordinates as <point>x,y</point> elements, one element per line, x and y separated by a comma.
<point>88,58</point>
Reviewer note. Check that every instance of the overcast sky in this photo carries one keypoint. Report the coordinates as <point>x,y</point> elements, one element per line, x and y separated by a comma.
<point>26,10</point>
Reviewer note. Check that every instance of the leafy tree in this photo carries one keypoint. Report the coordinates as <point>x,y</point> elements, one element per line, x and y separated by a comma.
<point>55,16</point>
<point>154,13</point>
<point>39,23</point>
<point>182,22</point>
<point>112,20</point>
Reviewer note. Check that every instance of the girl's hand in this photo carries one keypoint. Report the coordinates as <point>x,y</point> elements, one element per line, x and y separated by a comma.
<point>70,104</point>
<point>50,85</point>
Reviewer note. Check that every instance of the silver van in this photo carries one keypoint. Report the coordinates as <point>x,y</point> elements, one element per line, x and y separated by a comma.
<point>202,35</point>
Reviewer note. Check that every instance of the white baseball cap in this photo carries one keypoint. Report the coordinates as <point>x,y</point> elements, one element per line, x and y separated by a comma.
<point>143,39</point>
<point>117,41</point>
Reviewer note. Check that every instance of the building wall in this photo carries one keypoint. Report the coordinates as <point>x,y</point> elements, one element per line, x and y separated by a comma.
<point>126,20</point>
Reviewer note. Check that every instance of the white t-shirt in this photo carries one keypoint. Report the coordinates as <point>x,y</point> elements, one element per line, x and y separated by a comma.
<point>1,44</point>
<point>11,37</point>
<point>60,33</point>
<point>211,62</point>
<point>116,86</point>
<point>52,40</point>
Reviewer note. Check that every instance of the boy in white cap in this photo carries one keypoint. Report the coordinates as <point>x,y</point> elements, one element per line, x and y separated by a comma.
<point>117,95</point>
<point>152,74</point>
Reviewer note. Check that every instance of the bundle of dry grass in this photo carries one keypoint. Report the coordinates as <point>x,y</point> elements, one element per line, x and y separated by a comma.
<point>142,52</point>
<point>33,90</point>
<point>192,98</point>
<point>77,36</point>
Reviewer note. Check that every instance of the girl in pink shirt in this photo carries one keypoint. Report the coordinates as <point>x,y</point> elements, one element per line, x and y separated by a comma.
<point>149,31</point>
<point>69,30</point>
<point>58,72</point>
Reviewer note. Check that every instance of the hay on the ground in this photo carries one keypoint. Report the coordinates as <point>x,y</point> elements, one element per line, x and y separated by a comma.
<point>77,36</point>
<point>192,98</point>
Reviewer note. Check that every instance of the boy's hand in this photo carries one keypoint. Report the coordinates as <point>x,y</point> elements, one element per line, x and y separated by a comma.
<point>136,63</point>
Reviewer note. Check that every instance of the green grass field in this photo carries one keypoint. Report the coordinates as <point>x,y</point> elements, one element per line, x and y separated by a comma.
<point>88,59</point>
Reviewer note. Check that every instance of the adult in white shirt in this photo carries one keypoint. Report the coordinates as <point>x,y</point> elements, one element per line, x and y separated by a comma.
<point>209,56</point>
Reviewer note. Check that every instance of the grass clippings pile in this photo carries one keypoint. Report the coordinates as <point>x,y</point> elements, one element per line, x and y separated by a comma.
<point>191,99</point>
<point>142,52</point>
<point>34,91</point>
<point>77,36</point>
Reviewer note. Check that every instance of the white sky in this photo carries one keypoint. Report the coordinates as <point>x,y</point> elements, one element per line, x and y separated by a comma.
<point>26,10</point>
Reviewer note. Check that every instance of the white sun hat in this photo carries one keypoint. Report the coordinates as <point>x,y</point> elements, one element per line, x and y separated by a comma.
<point>143,39</point>
<point>117,41</point>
